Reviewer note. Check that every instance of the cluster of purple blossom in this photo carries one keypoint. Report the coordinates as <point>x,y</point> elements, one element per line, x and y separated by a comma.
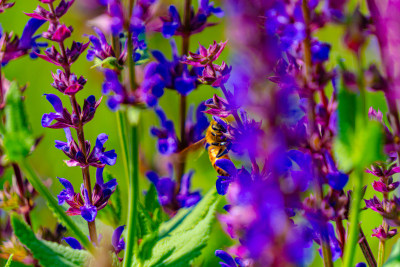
<point>290,190</point>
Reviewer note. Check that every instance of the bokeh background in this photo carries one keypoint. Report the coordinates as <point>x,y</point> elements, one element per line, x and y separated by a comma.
<point>48,161</point>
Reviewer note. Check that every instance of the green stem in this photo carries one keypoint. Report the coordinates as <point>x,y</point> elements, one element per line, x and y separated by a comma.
<point>131,241</point>
<point>53,204</point>
<point>354,219</point>
<point>121,124</point>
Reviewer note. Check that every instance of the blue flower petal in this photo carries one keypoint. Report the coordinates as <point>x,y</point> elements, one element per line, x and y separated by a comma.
<point>55,101</point>
<point>227,166</point>
<point>73,242</point>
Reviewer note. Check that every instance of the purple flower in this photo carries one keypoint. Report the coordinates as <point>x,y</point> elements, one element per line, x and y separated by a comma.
<point>117,241</point>
<point>72,54</point>
<point>320,52</point>
<point>244,136</point>
<point>101,49</point>
<point>383,187</point>
<point>173,73</point>
<point>229,168</point>
<point>381,234</point>
<point>167,142</point>
<point>98,157</point>
<point>333,242</point>
<point>166,188</point>
<point>4,5</point>
<point>60,10</point>
<point>62,116</point>
<point>228,260</point>
<point>15,47</point>
<point>195,129</point>
<point>375,204</point>
<point>205,56</point>
<point>73,243</point>
<point>67,85</point>
<point>67,193</point>
<point>80,204</point>
<point>219,106</point>
<point>172,24</point>
<point>287,24</point>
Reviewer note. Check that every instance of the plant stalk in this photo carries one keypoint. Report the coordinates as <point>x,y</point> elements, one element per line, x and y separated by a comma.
<point>366,250</point>
<point>79,132</point>
<point>180,169</point>
<point>131,238</point>
<point>354,228</point>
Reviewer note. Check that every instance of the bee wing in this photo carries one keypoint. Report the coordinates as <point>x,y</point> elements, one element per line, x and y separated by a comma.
<point>193,148</point>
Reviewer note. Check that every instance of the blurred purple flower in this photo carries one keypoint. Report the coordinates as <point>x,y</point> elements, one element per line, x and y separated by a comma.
<point>117,241</point>
<point>167,142</point>
<point>172,24</point>
<point>73,243</point>
<point>166,188</point>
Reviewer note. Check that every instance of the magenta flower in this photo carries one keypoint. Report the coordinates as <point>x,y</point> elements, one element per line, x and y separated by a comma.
<point>205,56</point>
<point>68,85</point>
<point>5,5</point>
<point>381,234</point>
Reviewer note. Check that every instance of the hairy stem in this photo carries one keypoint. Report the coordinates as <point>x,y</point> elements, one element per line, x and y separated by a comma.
<point>180,169</point>
<point>79,132</point>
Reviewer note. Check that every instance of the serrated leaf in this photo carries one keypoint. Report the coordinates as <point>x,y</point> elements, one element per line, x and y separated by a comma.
<point>18,138</point>
<point>9,261</point>
<point>182,239</point>
<point>49,254</point>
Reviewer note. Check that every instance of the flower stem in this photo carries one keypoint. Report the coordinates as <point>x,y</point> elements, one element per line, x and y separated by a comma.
<point>21,188</point>
<point>131,237</point>
<point>131,60</point>
<point>53,204</point>
<point>180,169</point>
<point>366,249</point>
<point>85,170</point>
<point>354,219</point>
<point>121,123</point>
<point>382,242</point>
<point>79,130</point>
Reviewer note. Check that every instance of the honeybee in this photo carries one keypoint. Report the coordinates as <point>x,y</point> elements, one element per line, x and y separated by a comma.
<point>215,143</point>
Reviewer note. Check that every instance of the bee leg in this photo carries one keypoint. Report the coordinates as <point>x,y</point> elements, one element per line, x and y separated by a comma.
<point>222,152</point>
<point>215,144</point>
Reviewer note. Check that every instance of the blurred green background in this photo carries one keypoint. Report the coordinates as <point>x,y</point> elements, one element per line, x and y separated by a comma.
<point>48,161</point>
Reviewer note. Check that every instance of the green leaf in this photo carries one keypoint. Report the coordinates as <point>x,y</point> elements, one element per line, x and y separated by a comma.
<point>18,138</point>
<point>360,141</point>
<point>182,239</point>
<point>108,63</point>
<point>394,258</point>
<point>54,207</point>
<point>48,253</point>
<point>9,261</point>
